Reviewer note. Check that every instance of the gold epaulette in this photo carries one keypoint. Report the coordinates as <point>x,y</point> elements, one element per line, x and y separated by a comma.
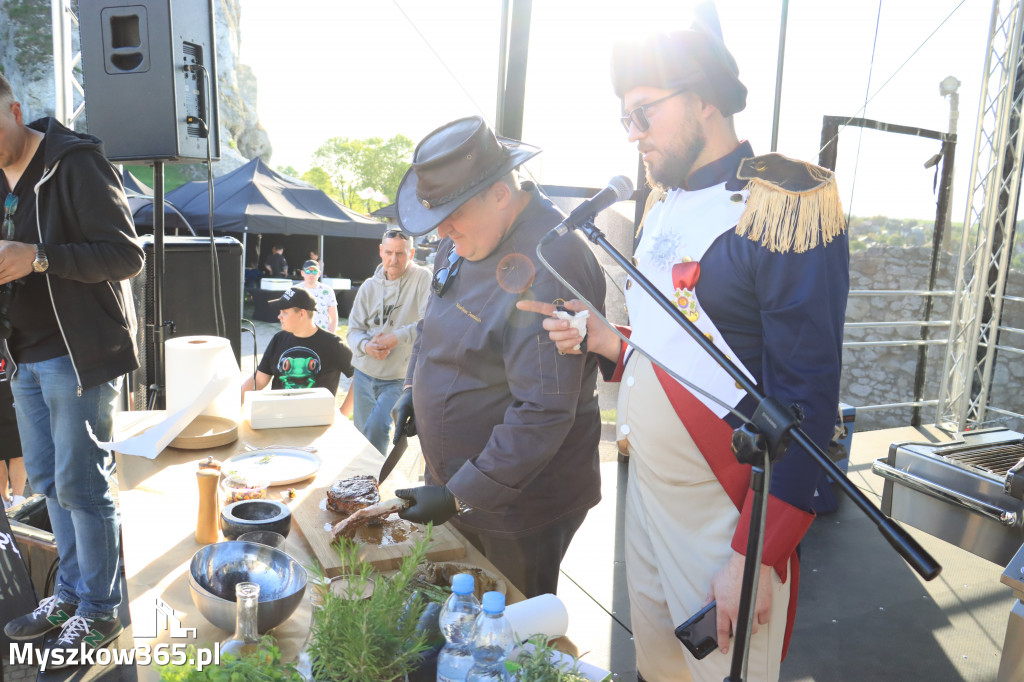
<point>792,205</point>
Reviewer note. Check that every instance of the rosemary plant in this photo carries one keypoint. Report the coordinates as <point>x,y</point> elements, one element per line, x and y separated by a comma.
<point>536,664</point>
<point>372,639</point>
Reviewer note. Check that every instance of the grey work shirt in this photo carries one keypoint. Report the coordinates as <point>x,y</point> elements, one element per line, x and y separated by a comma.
<point>510,425</point>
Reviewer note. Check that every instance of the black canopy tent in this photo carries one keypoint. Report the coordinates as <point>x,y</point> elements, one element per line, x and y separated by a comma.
<point>132,185</point>
<point>254,199</point>
<point>140,201</point>
<point>142,213</point>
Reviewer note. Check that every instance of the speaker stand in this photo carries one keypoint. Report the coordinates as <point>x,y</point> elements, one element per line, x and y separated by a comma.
<point>156,390</point>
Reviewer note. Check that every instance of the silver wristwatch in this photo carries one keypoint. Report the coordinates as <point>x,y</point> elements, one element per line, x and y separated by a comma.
<point>41,263</point>
<point>461,507</point>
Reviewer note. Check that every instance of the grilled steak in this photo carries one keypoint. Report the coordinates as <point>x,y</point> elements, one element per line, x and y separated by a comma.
<point>352,494</point>
<point>348,526</point>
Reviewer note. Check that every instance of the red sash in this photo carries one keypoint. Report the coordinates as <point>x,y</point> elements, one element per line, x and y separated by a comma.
<point>784,524</point>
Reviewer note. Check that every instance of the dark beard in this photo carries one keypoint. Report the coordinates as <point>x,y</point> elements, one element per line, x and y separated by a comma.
<point>676,169</point>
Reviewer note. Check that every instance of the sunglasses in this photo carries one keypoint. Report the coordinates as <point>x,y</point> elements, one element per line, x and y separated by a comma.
<point>311,271</point>
<point>10,206</point>
<point>394,234</point>
<point>638,117</point>
<point>444,277</point>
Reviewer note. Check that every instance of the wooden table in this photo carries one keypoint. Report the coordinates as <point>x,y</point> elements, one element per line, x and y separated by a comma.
<point>159,501</point>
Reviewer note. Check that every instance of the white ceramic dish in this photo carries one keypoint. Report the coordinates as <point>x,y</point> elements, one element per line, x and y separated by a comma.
<point>279,466</point>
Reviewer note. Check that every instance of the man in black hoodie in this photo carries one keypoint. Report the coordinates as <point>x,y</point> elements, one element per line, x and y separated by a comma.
<point>67,251</point>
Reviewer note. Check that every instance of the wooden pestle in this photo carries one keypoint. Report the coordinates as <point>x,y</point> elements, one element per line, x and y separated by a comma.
<point>207,524</point>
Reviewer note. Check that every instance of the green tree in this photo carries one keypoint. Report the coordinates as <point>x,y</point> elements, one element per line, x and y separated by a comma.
<point>372,168</point>
<point>319,178</point>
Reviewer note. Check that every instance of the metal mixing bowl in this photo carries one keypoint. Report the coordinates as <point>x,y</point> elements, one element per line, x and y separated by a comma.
<point>217,568</point>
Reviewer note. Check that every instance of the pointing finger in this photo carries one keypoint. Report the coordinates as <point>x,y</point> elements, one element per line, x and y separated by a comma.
<point>536,307</point>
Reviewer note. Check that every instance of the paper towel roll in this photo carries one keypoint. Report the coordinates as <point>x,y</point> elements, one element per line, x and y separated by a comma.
<point>544,614</point>
<point>191,362</point>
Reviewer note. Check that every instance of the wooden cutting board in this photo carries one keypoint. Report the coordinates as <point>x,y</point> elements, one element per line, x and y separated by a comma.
<point>399,538</point>
<point>382,548</point>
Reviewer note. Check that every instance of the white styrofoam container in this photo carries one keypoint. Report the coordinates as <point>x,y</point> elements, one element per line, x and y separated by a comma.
<point>289,407</point>
<point>337,283</point>
<point>275,284</point>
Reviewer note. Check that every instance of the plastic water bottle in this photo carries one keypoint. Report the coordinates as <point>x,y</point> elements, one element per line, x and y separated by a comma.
<point>456,620</point>
<point>493,641</point>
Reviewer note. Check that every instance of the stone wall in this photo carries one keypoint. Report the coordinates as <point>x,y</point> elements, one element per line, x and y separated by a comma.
<point>884,375</point>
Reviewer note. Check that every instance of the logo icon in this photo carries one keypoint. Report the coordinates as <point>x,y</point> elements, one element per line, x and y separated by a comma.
<point>164,618</point>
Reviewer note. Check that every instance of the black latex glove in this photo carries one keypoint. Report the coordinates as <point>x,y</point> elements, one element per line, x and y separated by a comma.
<point>402,415</point>
<point>430,504</point>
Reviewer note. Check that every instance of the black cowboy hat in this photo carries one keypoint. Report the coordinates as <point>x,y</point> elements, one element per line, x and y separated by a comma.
<point>450,166</point>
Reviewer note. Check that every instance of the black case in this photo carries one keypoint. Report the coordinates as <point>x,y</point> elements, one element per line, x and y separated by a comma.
<point>699,634</point>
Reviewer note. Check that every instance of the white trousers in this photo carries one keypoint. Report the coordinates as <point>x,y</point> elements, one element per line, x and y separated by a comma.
<point>679,528</point>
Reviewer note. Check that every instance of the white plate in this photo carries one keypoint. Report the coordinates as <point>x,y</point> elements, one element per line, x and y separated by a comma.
<point>279,466</point>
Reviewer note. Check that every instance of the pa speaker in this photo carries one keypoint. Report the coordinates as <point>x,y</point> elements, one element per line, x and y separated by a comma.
<point>188,295</point>
<point>150,73</point>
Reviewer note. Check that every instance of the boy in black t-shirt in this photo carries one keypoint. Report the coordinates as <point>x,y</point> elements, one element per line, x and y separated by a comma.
<point>301,355</point>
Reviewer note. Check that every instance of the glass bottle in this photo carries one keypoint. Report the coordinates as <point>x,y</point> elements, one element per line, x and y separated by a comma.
<point>246,638</point>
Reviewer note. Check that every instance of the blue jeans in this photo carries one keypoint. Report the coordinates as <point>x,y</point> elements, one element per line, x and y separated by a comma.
<point>371,407</point>
<point>66,466</point>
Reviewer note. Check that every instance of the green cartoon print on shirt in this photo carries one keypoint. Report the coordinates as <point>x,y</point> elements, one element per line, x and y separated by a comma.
<point>298,367</point>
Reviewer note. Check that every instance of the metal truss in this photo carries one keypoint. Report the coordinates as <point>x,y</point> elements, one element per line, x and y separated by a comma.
<point>988,233</point>
<point>65,23</point>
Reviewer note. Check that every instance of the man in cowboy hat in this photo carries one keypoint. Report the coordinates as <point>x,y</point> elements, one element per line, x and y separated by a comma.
<point>754,251</point>
<point>509,427</point>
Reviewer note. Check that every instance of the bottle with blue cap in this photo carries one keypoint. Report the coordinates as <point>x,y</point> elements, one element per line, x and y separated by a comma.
<point>493,641</point>
<point>456,621</point>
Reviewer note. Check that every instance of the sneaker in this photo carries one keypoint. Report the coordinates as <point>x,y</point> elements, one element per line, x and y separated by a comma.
<point>80,635</point>
<point>49,615</point>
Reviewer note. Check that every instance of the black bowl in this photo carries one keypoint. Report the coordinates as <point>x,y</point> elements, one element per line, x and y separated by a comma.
<point>246,515</point>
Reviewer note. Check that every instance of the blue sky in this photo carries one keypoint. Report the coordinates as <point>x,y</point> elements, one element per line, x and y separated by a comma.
<point>361,68</point>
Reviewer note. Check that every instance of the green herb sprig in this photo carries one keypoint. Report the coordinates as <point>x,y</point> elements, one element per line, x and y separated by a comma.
<point>535,664</point>
<point>263,665</point>
<point>371,639</point>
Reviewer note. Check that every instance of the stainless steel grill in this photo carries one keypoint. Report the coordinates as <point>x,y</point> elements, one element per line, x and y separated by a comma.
<point>995,460</point>
<point>968,492</point>
<point>959,491</point>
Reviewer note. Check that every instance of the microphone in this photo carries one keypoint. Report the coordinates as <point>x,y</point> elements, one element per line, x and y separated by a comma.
<point>619,188</point>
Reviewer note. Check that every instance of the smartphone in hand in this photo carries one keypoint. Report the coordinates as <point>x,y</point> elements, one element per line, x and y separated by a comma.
<point>699,634</point>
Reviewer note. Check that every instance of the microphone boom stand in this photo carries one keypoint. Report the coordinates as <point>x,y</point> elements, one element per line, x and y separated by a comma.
<point>773,427</point>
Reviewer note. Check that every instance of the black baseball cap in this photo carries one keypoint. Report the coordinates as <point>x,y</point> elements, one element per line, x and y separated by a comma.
<point>296,297</point>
